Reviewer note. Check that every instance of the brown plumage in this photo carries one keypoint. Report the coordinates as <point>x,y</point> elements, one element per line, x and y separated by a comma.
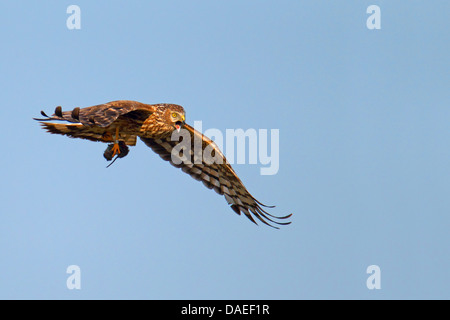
<point>121,122</point>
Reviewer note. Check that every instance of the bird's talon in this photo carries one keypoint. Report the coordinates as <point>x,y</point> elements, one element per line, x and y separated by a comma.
<point>115,149</point>
<point>118,150</point>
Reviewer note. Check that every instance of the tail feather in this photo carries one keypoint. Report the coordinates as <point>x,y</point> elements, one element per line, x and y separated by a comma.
<point>74,131</point>
<point>78,130</point>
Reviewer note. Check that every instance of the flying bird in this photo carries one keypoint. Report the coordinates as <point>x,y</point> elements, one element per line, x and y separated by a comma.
<point>119,123</point>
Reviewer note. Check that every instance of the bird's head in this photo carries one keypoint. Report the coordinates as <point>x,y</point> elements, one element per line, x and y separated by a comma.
<point>176,116</point>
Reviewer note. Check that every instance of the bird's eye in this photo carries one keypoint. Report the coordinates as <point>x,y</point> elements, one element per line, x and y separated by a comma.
<point>174,115</point>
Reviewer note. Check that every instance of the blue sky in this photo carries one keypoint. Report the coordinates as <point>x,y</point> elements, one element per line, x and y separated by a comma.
<point>363,117</point>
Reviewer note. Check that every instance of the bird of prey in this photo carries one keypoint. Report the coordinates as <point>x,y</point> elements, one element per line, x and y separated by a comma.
<point>119,123</point>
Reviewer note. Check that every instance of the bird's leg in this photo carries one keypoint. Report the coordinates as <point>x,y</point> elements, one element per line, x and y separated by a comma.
<point>116,148</point>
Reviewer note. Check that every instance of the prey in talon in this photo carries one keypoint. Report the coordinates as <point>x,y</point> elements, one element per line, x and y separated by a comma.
<point>111,152</point>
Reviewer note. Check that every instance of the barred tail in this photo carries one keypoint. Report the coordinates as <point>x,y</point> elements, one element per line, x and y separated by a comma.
<point>74,130</point>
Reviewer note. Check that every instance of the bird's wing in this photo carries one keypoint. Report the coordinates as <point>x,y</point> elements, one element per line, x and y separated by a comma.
<point>102,115</point>
<point>217,174</point>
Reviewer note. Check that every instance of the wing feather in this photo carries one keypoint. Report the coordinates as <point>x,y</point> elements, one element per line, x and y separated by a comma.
<point>219,176</point>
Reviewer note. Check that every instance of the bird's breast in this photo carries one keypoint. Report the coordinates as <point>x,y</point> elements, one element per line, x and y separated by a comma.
<point>155,129</point>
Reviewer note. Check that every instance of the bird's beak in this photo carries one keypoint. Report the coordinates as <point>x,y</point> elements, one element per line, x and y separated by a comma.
<point>178,125</point>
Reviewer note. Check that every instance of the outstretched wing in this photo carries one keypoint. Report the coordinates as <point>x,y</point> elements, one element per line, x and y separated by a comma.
<point>102,115</point>
<point>93,123</point>
<point>217,174</point>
